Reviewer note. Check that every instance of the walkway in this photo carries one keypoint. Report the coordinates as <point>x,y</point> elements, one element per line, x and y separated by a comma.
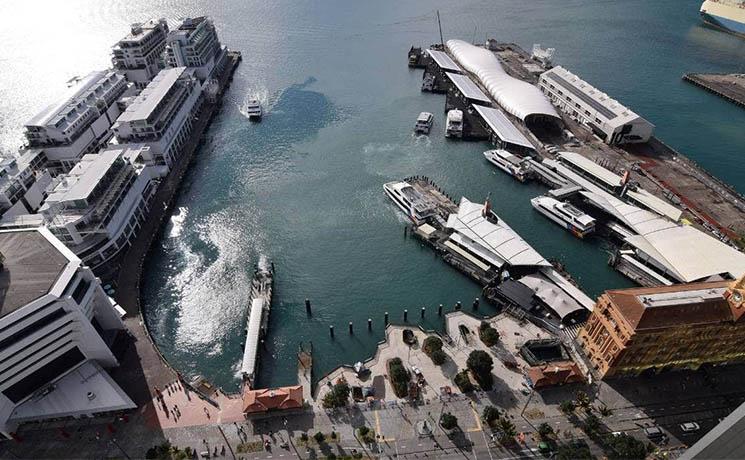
<point>146,369</point>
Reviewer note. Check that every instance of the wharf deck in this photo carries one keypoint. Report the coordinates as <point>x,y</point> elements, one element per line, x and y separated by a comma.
<point>727,86</point>
<point>444,203</point>
<point>706,201</point>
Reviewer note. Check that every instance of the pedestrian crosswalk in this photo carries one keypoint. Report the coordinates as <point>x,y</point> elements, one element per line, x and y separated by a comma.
<point>572,331</point>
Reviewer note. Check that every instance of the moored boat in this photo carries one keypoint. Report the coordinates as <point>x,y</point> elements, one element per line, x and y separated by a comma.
<point>564,214</point>
<point>410,201</point>
<point>511,164</point>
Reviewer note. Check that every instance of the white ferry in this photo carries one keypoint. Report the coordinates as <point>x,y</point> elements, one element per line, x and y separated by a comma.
<point>253,110</point>
<point>411,202</point>
<point>454,124</point>
<point>511,164</point>
<point>564,214</point>
<point>424,123</point>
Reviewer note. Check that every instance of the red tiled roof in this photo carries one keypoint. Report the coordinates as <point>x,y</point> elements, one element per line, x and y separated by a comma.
<point>713,311</point>
<point>556,373</point>
<point>272,399</point>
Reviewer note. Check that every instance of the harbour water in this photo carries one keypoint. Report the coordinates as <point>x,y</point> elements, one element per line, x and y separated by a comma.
<point>304,186</point>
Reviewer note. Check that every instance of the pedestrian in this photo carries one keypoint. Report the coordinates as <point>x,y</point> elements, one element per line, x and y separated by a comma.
<point>214,454</point>
<point>222,451</point>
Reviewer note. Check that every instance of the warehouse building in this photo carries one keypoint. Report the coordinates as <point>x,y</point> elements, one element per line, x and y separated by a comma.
<point>606,117</point>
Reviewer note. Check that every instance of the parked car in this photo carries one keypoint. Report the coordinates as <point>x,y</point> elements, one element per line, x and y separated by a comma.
<point>654,432</point>
<point>690,427</point>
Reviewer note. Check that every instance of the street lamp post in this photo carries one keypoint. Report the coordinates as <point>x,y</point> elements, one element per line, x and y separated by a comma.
<point>113,441</point>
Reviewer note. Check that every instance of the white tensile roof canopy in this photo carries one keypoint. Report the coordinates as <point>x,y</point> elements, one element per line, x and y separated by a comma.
<point>517,97</point>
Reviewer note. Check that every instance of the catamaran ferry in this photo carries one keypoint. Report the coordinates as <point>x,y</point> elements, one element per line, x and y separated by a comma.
<point>511,164</point>
<point>564,214</point>
<point>411,202</point>
<point>454,124</point>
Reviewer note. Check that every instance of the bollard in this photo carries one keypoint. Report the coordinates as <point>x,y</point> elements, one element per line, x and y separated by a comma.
<point>331,331</point>
<point>476,304</point>
<point>307,306</point>
<point>423,308</point>
<point>458,306</point>
<point>406,315</point>
<point>351,328</point>
<point>369,324</point>
<point>439,310</point>
<point>386,318</point>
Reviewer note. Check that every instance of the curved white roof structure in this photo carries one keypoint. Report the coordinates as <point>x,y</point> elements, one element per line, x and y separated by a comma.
<point>517,97</point>
<point>496,242</point>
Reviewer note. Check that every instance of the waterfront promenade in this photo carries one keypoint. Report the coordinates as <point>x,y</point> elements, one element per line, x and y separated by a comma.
<point>146,369</point>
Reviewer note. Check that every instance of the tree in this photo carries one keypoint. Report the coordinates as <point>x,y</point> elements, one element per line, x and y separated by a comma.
<point>507,429</point>
<point>624,447</point>
<point>304,437</point>
<point>481,364</point>
<point>488,334</point>
<point>490,415</point>
<point>567,406</point>
<point>431,344</point>
<point>448,421</point>
<point>439,357</point>
<point>591,424</point>
<point>338,396</point>
<point>582,399</point>
<point>366,434</point>
<point>399,377</point>
<point>605,411</point>
<point>319,437</point>
<point>545,430</point>
<point>463,382</point>
<point>574,452</point>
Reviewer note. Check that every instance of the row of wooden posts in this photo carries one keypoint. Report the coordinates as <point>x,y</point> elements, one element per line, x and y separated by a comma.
<point>457,307</point>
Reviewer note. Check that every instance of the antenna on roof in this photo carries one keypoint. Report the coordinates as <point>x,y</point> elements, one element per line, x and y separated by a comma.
<point>439,25</point>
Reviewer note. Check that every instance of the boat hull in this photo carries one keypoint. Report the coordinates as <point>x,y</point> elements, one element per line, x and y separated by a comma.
<point>401,206</point>
<point>725,17</point>
<point>506,169</point>
<point>556,219</point>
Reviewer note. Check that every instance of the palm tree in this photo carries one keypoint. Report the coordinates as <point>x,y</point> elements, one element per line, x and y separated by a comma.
<point>582,399</point>
<point>507,429</point>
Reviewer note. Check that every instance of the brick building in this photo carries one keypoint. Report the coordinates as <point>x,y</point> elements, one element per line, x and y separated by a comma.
<point>664,328</point>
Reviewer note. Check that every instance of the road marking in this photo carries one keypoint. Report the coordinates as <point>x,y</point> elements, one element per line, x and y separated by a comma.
<point>473,446</point>
<point>486,441</point>
<point>476,417</point>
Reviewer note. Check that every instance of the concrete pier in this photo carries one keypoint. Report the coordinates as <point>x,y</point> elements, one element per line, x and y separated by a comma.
<point>727,86</point>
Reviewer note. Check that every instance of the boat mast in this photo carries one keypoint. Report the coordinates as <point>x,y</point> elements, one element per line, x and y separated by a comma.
<point>439,25</point>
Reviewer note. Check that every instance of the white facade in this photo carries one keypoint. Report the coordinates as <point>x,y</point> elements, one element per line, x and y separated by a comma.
<point>23,183</point>
<point>79,122</point>
<point>161,116</point>
<point>97,208</point>
<point>194,44</point>
<point>606,117</point>
<point>139,55</point>
<point>55,319</point>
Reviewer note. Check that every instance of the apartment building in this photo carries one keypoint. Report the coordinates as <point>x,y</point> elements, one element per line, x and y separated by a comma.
<point>606,117</point>
<point>23,183</point>
<point>161,116</point>
<point>57,329</point>
<point>98,207</point>
<point>79,122</point>
<point>194,44</point>
<point>664,328</point>
<point>139,55</point>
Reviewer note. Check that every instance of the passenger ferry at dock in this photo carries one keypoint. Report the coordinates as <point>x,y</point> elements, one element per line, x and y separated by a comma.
<point>511,164</point>
<point>411,202</point>
<point>564,214</point>
<point>454,124</point>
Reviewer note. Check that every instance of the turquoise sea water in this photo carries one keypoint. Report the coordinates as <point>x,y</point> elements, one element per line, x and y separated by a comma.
<point>304,187</point>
